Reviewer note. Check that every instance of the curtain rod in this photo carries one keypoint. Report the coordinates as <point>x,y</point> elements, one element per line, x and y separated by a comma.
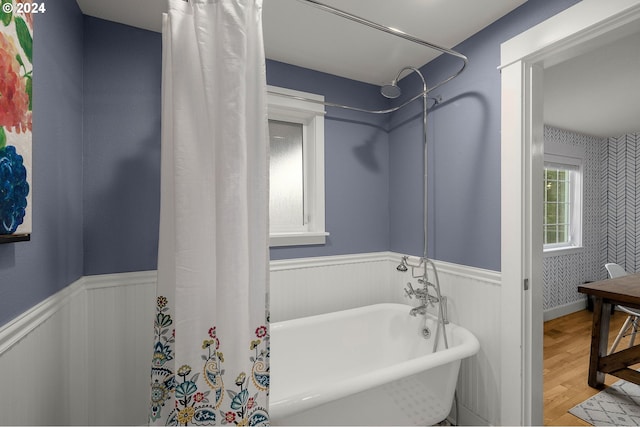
<point>394,32</point>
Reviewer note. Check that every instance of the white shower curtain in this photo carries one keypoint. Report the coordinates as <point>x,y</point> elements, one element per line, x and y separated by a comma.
<point>211,347</point>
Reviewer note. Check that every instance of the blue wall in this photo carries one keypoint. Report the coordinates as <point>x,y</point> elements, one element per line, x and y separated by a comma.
<point>122,76</point>
<point>373,164</point>
<point>32,271</point>
<point>464,150</point>
<point>356,163</point>
<point>122,98</point>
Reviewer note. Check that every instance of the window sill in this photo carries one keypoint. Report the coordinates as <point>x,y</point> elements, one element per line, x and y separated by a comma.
<point>296,239</point>
<point>567,250</point>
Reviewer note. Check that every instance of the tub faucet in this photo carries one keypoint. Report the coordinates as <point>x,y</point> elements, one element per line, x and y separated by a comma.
<point>423,295</point>
<point>418,310</point>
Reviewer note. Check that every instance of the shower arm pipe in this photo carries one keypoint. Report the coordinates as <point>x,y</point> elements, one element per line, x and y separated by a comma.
<point>397,33</point>
<point>435,100</point>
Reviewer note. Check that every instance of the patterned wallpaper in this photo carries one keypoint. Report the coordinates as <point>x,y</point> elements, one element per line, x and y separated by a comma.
<point>621,242</point>
<point>611,217</point>
<point>564,273</point>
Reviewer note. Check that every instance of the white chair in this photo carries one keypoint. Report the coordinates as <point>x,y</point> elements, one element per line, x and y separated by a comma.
<point>631,325</point>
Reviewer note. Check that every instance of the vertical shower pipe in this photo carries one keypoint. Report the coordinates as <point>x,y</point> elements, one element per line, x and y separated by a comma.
<point>411,38</point>
<point>426,178</point>
<point>465,60</point>
<point>425,218</point>
<point>425,223</point>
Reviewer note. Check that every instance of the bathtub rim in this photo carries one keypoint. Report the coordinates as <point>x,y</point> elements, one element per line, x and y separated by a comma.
<point>301,401</point>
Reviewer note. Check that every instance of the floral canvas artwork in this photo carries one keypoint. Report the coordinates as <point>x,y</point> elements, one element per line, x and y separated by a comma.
<point>16,101</point>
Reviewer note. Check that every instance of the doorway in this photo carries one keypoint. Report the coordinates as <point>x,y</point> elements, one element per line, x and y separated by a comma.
<point>576,30</point>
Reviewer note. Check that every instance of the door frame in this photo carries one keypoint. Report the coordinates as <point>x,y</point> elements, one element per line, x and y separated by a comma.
<point>578,29</point>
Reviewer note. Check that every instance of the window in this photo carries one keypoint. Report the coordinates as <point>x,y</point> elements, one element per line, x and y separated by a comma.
<point>296,172</point>
<point>562,191</point>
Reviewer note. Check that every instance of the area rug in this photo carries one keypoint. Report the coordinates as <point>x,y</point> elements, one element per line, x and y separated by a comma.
<point>617,405</point>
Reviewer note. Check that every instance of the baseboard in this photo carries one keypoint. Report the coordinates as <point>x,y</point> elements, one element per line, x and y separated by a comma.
<point>563,310</point>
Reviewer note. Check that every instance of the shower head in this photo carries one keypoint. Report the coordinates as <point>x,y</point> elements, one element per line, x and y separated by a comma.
<point>391,90</point>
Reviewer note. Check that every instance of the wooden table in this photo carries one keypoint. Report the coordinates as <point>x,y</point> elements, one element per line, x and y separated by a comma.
<point>619,291</point>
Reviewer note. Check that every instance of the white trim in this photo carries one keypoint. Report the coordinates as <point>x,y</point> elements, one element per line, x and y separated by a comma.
<point>562,250</point>
<point>357,278</point>
<point>570,33</point>
<point>325,261</point>
<point>570,158</point>
<point>301,238</point>
<point>280,98</point>
<point>468,272</point>
<point>15,330</point>
<point>12,332</point>
<point>67,318</point>
<point>575,153</point>
<point>120,279</point>
<point>565,309</point>
<point>310,115</point>
<point>18,328</point>
<point>487,276</point>
<point>561,36</point>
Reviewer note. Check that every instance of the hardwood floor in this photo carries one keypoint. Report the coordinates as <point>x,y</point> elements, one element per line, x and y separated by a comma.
<point>566,360</point>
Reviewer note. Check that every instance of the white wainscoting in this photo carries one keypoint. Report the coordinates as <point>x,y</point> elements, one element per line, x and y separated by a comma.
<point>307,286</point>
<point>120,346</point>
<point>40,385</point>
<point>473,300</point>
<point>82,356</point>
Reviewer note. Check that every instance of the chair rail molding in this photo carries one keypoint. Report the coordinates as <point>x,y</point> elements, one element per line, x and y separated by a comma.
<point>15,330</point>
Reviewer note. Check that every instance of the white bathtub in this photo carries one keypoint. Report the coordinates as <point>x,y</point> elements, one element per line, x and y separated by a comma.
<point>364,366</point>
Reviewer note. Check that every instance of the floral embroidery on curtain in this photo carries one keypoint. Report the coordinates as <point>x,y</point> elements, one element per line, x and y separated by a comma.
<point>197,395</point>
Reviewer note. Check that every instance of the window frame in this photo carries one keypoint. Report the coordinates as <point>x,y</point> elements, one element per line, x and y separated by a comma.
<point>281,107</point>
<point>572,157</point>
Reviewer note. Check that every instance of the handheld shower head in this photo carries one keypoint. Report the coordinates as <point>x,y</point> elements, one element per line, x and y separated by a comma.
<point>403,265</point>
<point>391,90</point>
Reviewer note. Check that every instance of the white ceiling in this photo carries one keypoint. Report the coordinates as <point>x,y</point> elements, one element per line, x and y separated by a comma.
<point>595,93</point>
<point>598,92</point>
<point>301,35</point>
